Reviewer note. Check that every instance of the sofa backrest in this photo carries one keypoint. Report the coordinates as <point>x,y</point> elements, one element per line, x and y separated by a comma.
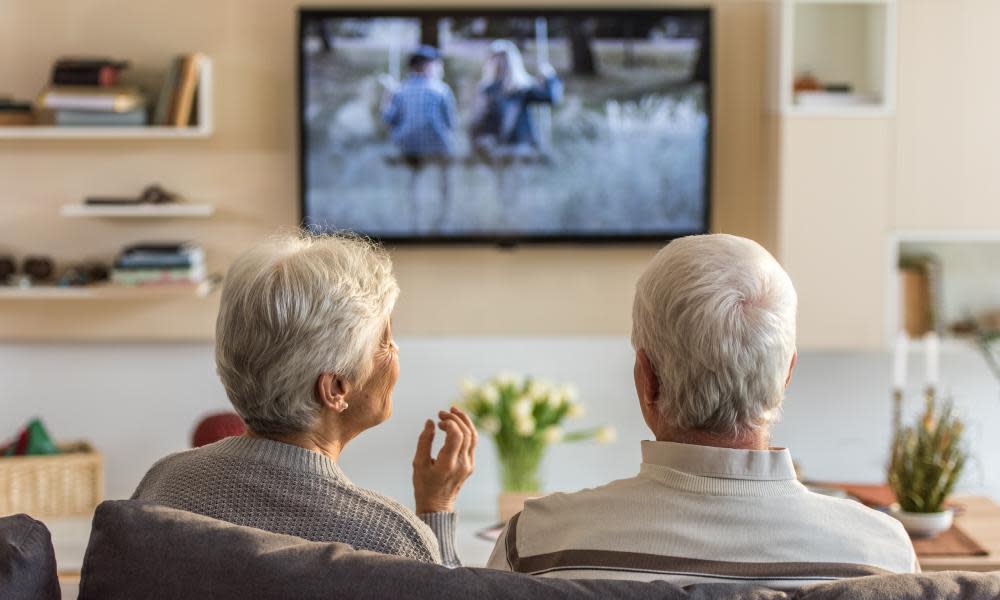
<point>27,560</point>
<point>139,550</point>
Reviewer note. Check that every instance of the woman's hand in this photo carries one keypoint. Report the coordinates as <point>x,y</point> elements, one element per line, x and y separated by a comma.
<point>436,481</point>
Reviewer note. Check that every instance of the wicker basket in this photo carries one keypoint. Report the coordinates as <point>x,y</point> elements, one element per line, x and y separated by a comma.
<point>57,485</point>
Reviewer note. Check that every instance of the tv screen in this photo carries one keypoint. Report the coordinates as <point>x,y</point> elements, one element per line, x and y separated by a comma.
<point>506,126</point>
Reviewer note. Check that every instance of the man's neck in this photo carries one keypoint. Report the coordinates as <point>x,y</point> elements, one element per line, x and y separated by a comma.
<point>758,439</point>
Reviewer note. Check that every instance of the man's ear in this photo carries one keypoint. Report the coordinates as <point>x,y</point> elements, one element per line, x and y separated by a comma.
<point>649,383</point>
<point>331,391</point>
<point>791,367</point>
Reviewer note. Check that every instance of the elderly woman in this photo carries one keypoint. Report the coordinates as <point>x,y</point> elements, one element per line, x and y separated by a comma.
<point>305,352</point>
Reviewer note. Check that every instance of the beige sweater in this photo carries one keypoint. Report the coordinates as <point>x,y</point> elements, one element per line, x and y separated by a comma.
<point>700,514</point>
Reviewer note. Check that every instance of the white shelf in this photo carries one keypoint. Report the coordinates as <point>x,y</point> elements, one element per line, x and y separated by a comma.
<point>873,111</point>
<point>103,133</point>
<point>142,211</point>
<point>967,284</point>
<point>107,291</point>
<point>944,236</point>
<point>203,130</point>
<point>838,41</point>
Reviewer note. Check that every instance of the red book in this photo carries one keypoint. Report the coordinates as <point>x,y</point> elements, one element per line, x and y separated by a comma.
<point>100,72</point>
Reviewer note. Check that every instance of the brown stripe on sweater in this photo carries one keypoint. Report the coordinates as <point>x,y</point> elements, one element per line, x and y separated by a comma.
<point>613,560</point>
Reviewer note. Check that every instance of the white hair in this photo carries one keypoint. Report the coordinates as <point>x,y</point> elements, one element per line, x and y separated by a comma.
<point>295,307</point>
<point>715,314</point>
<point>516,77</point>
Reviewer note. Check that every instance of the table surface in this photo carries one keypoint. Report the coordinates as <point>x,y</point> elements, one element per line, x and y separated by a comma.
<point>980,520</point>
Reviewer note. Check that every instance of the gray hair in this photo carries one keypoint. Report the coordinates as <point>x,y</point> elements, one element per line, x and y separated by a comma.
<point>715,314</point>
<point>295,307</point>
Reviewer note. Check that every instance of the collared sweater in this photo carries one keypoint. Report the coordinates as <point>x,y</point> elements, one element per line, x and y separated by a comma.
<point>698,514</point>
<point>286,489</point>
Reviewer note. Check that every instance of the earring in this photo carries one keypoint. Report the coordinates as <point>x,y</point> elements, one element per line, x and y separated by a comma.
<point>340,406</point>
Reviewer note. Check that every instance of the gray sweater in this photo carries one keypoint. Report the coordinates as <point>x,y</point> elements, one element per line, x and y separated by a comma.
<point>287,489</point>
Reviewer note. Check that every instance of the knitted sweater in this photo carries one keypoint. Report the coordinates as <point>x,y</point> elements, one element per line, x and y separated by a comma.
<point>698,514</point>
<point>287,489</point>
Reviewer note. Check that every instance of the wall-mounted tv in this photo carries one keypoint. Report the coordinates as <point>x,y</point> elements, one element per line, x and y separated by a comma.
<point>506,126</point>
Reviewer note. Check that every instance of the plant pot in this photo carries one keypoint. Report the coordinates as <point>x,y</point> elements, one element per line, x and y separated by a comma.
<point>923,525</point>
<point>511,503</point>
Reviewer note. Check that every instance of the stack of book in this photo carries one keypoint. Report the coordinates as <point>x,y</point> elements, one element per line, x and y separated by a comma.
<point>159,263</point>
<point>87,92</point>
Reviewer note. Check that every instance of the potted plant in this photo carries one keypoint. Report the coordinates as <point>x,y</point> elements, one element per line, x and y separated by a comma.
<point>926,462</point>
<point>524,416</point>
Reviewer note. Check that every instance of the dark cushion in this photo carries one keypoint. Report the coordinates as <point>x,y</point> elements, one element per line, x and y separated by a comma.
<point>139,550</point>
<point>27,560</point>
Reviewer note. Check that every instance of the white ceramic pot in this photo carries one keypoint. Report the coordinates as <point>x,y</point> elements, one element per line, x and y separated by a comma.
<point>923,525</point>
<point>511,503</point>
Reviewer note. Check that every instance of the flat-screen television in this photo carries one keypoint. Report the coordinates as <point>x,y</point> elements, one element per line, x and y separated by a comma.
<point>506,126</point>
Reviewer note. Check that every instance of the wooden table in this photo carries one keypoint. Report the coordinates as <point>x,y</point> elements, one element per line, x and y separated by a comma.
<point>981,521</point>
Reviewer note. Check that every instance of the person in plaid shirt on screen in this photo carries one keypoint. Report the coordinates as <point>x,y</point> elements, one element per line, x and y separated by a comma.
<point>421,119</point>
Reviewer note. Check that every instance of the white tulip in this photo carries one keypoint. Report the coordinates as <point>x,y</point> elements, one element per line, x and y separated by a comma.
<point>490,394</point>
<point>524,426</point>
<point>575,411</point>
<point>606,435</point>
<point>509,378</point>
<point>490,424</point>
<point>468,386</point>
<point>552,435</point>
<point>522,408</point>
<point>569,392</point>
<point>539,389</point>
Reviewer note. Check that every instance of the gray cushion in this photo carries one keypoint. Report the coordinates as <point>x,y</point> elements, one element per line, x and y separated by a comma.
<point>27,560</point>
<point>139,550</point>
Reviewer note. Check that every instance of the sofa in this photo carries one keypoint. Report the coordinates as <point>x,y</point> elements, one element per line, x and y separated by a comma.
<point>27,560</point>
<point>140,550</point>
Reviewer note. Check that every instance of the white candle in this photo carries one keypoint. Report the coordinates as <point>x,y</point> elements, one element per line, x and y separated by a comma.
<point>899,362</point>
<point>932,352</point>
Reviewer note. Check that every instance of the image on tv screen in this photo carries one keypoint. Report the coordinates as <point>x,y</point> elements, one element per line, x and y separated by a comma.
<point>506,126</point>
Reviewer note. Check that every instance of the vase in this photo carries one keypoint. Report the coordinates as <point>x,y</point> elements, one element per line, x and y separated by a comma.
<point>519,479</point>
<point>923,525</point>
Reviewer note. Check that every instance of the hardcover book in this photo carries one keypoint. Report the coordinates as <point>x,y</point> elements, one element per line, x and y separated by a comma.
<point>91,98</point>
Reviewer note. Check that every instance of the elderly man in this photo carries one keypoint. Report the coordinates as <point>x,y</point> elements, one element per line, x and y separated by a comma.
<point>714,337</point>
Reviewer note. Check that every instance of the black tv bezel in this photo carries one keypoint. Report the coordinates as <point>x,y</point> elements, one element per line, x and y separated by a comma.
<point>493,239</point>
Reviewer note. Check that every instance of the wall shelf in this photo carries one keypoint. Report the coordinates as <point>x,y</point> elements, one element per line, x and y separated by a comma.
<point>203,110</point>
<point>966,285</point>
<point>850,42</point>
<point>111,291</point>
<point>141,211</point>
<point>103,133</point>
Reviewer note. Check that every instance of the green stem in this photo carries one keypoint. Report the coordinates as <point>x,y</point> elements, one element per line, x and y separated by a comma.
<point>519,465</point>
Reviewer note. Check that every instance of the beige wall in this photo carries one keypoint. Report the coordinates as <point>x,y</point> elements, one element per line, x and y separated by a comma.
<point>248,169</point>
<point>948,120</point>
<point>847,184</point>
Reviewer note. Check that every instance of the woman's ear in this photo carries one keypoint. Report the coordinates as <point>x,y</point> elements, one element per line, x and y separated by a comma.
<point>331,391</point>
